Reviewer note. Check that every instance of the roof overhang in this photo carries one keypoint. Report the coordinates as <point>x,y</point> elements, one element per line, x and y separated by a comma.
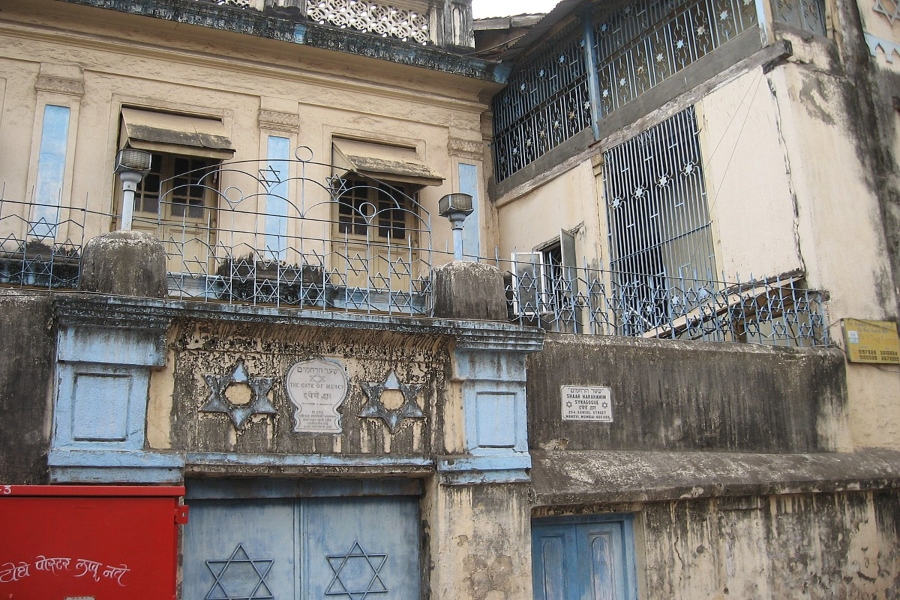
<point>399,164</point>
<point>175,134</point>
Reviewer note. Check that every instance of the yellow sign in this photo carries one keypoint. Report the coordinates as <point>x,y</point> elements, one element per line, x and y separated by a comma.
<point>871,341</point>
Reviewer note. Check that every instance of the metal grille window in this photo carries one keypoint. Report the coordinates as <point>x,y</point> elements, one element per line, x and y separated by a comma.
<point>659,223</point>
<point>545,103</point>
<point>648,41</point>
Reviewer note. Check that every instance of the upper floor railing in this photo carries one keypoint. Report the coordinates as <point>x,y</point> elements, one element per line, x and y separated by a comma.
<point>278,234</point>
<point>320,263</point>
<point>778,311</point>
<point>589,70</point>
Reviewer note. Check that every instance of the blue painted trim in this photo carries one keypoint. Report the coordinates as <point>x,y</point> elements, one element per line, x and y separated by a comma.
<point>133,408</point>
<point>113,458</point>
<point>264,487</point>
<point>485,477</point>
<point>114,475</point>
<point>109,466</point>
<point>111,346</point>
<point>51,171</point>
<point>507,462</point>
<point>304,460</point>
<point>468,184</point>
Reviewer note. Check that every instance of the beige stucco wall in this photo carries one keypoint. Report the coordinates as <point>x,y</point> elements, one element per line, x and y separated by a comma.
<point>567,202</point>
<point>747,180</point>
<point>200,71</point>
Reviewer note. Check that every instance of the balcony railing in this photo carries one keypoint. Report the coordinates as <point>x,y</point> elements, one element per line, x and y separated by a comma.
<point>773,311</point>
<point>240,261</point>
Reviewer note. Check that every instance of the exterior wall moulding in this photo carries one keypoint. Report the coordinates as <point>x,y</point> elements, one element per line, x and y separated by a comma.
<point>59,85</point>
<point>280,121</point>
<point>287,25</point>
<point>226,376</point>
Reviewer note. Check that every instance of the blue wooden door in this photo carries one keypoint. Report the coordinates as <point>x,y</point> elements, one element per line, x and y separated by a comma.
<point>355,548</point>
<point>583,558</point>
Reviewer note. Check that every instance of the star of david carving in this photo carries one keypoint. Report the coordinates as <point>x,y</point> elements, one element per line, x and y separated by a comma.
<point>889,9</point>
<point>239,577</point>
<point>356,574</point>
<point>218,402</point>
<point>375,408</point>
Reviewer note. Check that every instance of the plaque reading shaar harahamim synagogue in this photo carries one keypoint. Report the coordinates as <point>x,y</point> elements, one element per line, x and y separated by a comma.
<point>586,403</point>
<point>317,388</point>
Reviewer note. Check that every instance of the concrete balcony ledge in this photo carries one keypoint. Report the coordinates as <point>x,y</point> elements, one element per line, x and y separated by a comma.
<point>580,477</point>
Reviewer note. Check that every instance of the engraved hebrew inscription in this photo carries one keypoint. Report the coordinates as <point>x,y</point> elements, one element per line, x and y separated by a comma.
<point>317,388</point>
<point>586,403</point>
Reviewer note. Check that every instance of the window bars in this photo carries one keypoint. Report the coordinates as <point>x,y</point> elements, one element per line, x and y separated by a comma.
<point>547,100</point>
<point>659,223</point>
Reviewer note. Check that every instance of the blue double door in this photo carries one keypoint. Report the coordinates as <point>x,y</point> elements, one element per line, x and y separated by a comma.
<point>583,558</point>
<point>350,548</point>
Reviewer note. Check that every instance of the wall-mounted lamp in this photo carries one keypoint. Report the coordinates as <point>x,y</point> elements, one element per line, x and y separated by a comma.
<point>131,166</point>
<point>456,207</point>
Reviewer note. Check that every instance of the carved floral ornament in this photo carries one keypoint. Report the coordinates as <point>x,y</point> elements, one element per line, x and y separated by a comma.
<point>317,388</point>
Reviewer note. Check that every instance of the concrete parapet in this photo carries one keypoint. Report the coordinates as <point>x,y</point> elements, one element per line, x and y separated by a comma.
<point>125,263</point>
<point>468,290</point>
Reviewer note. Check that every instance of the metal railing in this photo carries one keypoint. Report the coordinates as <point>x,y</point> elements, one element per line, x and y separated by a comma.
<point>772,311</point>
<point>238,266</point>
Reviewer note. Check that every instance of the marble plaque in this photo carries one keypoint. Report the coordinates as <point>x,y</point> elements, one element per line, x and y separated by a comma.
<point>586,403</point>
<point>317,388</point>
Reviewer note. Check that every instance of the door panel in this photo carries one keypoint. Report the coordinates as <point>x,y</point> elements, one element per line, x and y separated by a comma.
<point>359,546</point>
<point>583,558</point>
<point>235,549</point>
<point>348,548</point>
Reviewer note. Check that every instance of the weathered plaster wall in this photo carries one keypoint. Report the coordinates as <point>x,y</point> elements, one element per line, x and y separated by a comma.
<point>840,228</point>
<point>748,188</point>
<point>794,546</point>
<point>689,396</point>
<point>27,336</point>
<point>481,541</point>
<point>568,202</point>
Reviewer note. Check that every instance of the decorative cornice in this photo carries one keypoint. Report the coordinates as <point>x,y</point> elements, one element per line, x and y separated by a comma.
<point>282,121</point>
<point>466,148</point>
<point>293,28</point>
<point>60,85</point>
<point>888,47</point>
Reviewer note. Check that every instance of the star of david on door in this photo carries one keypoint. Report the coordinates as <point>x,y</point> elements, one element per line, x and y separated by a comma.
<point>356,574</point>
<point>239,577</point>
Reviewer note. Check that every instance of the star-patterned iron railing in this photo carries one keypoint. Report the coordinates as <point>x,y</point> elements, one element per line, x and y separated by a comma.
<point>778,311</point>
<point>40,244</point>
<point>548,100</point>
<point>287,233</point>
<point>283,233</point>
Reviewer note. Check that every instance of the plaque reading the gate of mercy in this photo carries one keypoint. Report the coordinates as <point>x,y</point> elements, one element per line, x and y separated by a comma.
<point>586,403</point>
<point>317,387</point>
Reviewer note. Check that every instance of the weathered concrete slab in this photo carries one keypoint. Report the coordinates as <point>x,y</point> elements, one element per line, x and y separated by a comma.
<point>682,396</point>
<point>583,477</point>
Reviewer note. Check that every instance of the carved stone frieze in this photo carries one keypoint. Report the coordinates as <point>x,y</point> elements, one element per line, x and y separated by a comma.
<point>60,85</point>
<point>273,119</point>
<point>470,149</point>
